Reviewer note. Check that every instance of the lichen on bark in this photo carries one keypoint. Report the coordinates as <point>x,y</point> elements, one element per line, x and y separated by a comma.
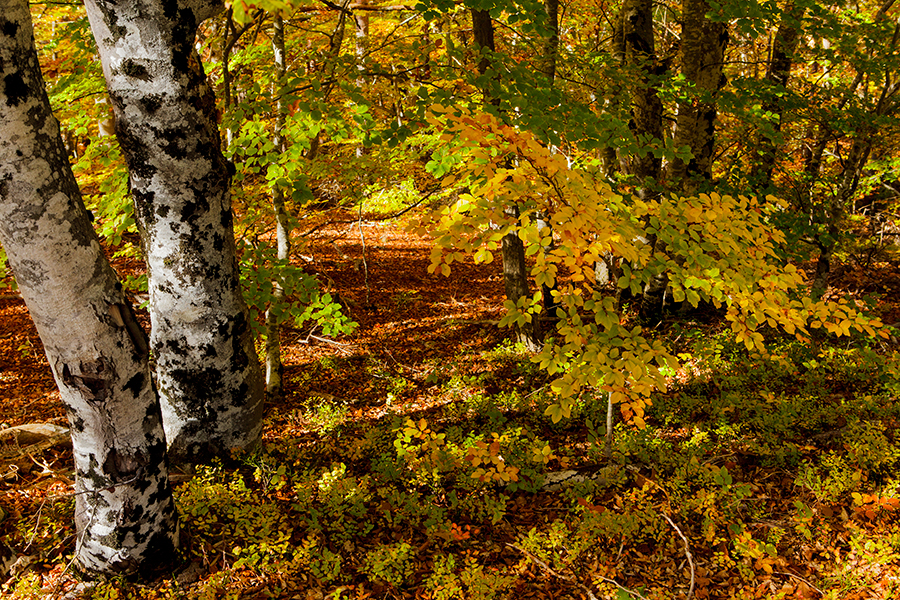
<point>124,512</point>
<point>210,383</point>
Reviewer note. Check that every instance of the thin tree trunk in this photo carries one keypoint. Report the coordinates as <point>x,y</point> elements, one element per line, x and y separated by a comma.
<point>483,32</point>
<point>702,54</point>
<point>635,48</point>
<point>210,384</point>
<point>361,22</point>
<point>512,249</point>
<point>124,513</point>
<point>274,366</point>
<point>853,165</point>
<point>548,66</point>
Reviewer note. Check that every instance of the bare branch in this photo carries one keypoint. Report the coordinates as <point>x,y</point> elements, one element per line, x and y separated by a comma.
<point>687,552</point>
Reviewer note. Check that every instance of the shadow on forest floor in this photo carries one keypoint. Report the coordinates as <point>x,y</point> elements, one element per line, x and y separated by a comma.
<point>409,461</point>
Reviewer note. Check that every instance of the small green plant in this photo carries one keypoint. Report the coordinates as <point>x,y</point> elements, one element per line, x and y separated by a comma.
<point>390,563</point>
<point>444,583</point>
<point>314,557</point>
<point>335,502</point>
<point>324,416</point>
<point>404,298</point>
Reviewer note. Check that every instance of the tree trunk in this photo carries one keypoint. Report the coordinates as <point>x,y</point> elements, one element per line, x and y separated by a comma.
<point>777,75</point>
<point>483,33</point>
<point>702,53</point>
<point>512,249</point>
<point>635,48</point>
<point>124,514</point>
<point>361,22</point>
<point>703,45</point>
<point>210,383</point>
<point>274,366</point>
<point>551,40</point>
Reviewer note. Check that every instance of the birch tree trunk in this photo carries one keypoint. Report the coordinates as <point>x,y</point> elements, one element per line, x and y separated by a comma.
<point>274,365</point>
<point>124,513</point>
<point>208,374</point>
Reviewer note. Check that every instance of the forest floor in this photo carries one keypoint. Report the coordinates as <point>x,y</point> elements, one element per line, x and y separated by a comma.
<point>757,477</point>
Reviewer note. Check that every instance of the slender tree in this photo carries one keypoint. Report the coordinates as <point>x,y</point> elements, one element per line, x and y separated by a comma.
<point>124,513</point>
<point>634,47</point>
<point>274,365</point>
<point>210,382</point>
<point>512,249</point>
<point>702,57</point>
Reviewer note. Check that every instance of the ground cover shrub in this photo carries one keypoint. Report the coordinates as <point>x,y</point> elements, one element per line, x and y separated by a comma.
<point>224,517</point>
<point>763,463</point>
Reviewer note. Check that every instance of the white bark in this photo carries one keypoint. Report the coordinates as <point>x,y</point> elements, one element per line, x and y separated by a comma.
<point>208,374</point>
<point>274,365</point>
<point>124,513</point>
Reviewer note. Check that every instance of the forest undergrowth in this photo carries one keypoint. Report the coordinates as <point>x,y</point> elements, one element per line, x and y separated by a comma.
<point>409,460</point>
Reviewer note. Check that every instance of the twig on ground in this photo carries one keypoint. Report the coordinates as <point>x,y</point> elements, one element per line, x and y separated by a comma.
<point>362,240</point>
<point>798,578</point>
<point>572,580</point>
<point>550,570</point>
<point>326,341</point>
<point>687,552</point>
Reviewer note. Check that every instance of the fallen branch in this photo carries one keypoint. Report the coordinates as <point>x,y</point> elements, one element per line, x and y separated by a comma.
<point>548,569</point>
<point>31,432</point>
<point>687,552</point>
<point>798,578</point>
<point>57,440</point>
<point>572,580</point>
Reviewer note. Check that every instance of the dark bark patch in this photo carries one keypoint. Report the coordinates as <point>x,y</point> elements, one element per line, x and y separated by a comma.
<point>30,273</point>
<point>112,20</point>
<point>161,494</point>
<point>135,70</point>
<point>15,89</point>
<point>92,380</point>
<point>174,145</point>
<point>151,103</point>
<point>193,210</point>
<point>176,347</point>
<point>199,385</point>
<point>10,28</point>
<point>135,384</point>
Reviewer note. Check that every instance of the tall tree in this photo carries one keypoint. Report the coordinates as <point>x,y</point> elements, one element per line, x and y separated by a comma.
<point>512,249</point>
<point>550,54</point>
<point>274,365</point>
<point>634,47</point>
<point>702,57</point>
<point>778,73</point>
<point>124,512</point>
<point>210,383</point>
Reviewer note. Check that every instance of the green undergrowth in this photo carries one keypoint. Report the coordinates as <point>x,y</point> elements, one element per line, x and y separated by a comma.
<point>757,476</point>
